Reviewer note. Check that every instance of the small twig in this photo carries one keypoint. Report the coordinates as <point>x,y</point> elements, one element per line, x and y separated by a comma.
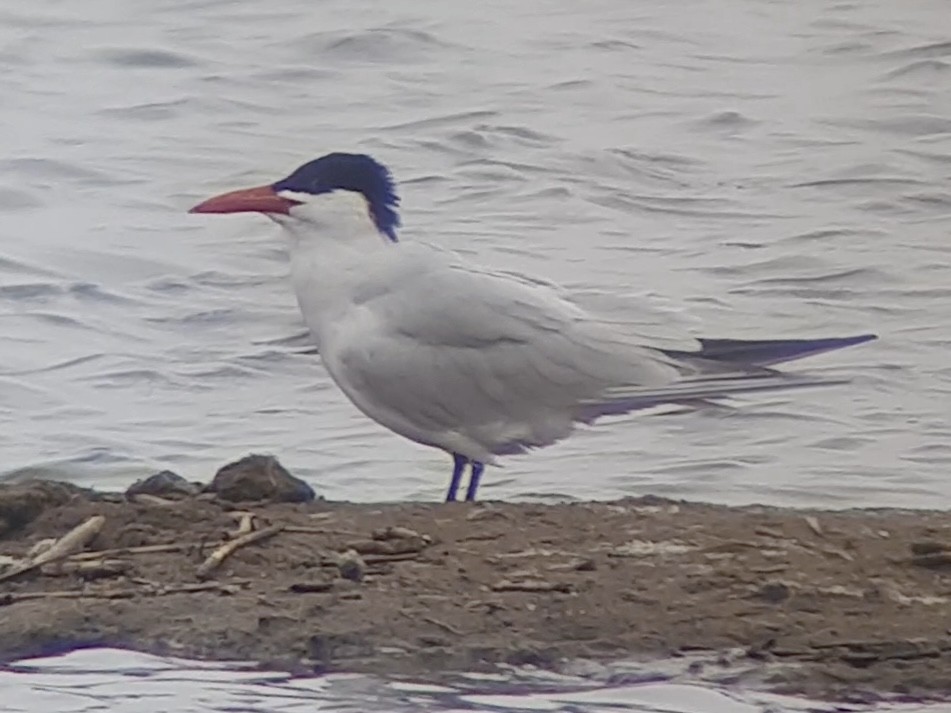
<point>443,625</point>
<point>770,569</point>
<point>154,500</point>
<point>140,550</point>
<point>813,522</point>
<point>75,539</point>
<point>224,588</point>
<point>395,532</point>
<point>850,644</point>
<point>304,530</point>
<point>331,560</point>
<point>14,597</point>
<point>532,586</point>
<point>142,581</point>
<point>215,559</point>
<point>245,524</point>
<point>383,559</point>
<point>89,569</point>
<point>391,547</point>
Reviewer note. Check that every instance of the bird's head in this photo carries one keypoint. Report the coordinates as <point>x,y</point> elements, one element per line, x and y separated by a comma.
<point>316,188</point>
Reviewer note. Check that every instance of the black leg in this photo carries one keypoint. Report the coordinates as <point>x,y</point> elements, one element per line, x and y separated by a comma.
<point>474,479</point>
<point>458,466</point>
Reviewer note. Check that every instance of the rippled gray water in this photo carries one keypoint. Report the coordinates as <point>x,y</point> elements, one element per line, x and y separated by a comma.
<point>754,167</point>
<point>118,681</point>
<point>759,168</point>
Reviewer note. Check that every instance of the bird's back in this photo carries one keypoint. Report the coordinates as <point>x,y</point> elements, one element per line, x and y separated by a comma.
<point>472,360</point>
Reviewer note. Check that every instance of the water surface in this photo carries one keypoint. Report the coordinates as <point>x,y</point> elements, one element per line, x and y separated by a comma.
<point>752,168</point>
<point>755,168</point>
<point>119,681</point>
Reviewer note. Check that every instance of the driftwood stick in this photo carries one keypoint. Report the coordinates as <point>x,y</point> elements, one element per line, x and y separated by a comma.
<point>88,569</point>
<point>223,587</point>
<point>215,559</point>
<point>245,524</point>
<point>140,550</point>
<point>74,540</point>
<point>531,585</point>
<point>69,594</point>
<point>305,530</point>
<point>155,500</point>
<point>125,593</point>
<point>443,625</point>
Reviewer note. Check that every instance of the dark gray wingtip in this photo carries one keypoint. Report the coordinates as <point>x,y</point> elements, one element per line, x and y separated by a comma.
<point>766,352</point>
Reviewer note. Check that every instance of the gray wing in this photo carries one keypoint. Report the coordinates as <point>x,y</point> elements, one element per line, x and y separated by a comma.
<point>452,356</point>
<point>483,364</point>
<point>647,318</point>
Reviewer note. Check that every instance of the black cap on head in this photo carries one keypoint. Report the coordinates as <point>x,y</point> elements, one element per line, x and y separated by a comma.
<point>350,172</point>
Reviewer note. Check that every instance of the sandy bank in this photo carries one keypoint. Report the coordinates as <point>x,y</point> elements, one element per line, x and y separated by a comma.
<point>856,600</point>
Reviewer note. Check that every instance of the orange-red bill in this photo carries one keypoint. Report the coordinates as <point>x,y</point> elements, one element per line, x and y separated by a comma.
<point>261,199</point>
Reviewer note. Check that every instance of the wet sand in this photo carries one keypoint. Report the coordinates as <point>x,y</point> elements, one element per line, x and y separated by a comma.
<point>835,604</point>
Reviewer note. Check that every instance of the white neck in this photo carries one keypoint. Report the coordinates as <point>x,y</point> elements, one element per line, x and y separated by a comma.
<point>333,242</point>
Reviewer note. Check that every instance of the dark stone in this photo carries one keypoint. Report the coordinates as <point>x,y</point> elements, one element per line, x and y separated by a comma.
<point>320,647</point>
<point>21,503</point>
<point>271,625</point>
<point>773,592</point>
<point>432,640</point>
<point>312,587</point>
<point>328,648</point>
<point>256,478</point>
<point>928,547</point>
<point>351,566</point>
<point>165,484</point>
<point>531,657</point>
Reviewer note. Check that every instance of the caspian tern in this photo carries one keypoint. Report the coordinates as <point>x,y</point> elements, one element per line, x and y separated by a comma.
<point>478,363</point>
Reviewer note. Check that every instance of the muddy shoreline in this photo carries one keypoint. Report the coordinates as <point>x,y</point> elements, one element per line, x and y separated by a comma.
<point>833,604</point>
